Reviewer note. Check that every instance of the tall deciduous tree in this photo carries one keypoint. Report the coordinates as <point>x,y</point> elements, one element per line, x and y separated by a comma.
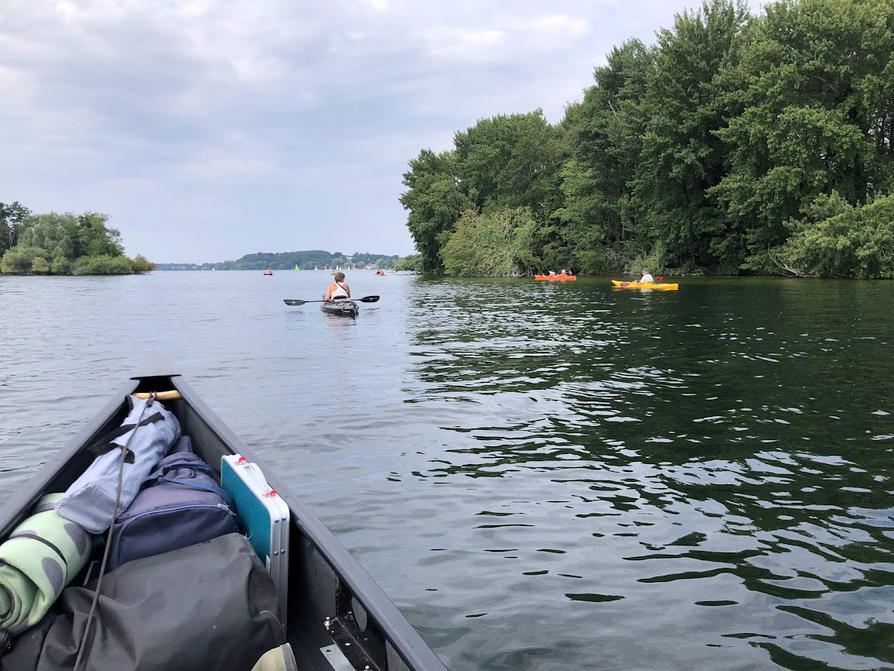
<point>604,135</point>
<point>710,150</point>
<point>682,158</point>
<point>511,161</point>
<point>816,93</point>
<point>494,244</point>
<point>12,216</point>
<point>435,202</point>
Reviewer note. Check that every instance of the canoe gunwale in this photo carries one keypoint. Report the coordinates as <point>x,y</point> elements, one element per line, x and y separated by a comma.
<point>404,647</point>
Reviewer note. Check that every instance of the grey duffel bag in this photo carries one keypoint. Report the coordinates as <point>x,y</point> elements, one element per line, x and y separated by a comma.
<point>206,606</point>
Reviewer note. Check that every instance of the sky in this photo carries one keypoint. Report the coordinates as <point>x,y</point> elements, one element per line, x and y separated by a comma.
<point>211,129</point>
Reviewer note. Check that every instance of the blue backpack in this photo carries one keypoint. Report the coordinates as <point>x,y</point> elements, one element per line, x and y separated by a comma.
<point>180,504</point>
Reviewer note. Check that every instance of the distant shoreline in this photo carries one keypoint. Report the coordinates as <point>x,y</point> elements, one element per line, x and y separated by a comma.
<point>300,260</point>
<point>176,267</point>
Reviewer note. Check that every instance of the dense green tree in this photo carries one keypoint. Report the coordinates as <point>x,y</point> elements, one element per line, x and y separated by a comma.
<point>816,92</point>
<point>493,244</point>
<point>96,238</point>
<point>20,259</point>
<point>604,135</point>
<point>682,158</point>
<point>40,266</point>
<point>140,264</point>
<point>836,239</point>
<point>511,161</point>
<point>71,236</point>
<point>435,202</point>
<point>102,264</point>
<point>705,152</point>
<point>57,234</point>
<point>62,244</point>
<point>412,262</point>
<point>11,217</point>
<point>60,265</point>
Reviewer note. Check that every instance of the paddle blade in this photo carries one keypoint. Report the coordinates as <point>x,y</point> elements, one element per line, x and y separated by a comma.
<point>368,299</point>
<point>293,301</point>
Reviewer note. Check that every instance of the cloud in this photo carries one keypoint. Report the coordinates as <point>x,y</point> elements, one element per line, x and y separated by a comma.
<point>225,168</point>
<point>464,44</point>
<point>199,116</point>
<point>555,25</point>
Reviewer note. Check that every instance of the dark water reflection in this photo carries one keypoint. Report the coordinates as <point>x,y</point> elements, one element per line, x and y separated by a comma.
<point>692,480</point>
<point>541,476</point>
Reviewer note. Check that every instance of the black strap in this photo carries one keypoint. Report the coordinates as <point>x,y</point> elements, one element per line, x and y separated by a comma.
<point>104,444</point>
<point>30,535</point>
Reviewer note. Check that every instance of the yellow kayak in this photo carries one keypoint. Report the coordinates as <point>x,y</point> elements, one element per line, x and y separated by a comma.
<point>655,286</point>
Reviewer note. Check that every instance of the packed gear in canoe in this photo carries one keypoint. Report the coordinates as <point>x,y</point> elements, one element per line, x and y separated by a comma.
<point>145,600</point>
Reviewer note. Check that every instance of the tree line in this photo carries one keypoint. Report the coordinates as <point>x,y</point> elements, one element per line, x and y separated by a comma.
<point>306,260</point>
<point>62,244</point>
<point>303,260</point>
<point>734,144</point>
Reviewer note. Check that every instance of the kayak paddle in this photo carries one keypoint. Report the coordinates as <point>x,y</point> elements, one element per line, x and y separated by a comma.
<point>295,301</point>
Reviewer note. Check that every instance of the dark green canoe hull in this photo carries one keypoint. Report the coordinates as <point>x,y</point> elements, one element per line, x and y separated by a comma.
<point>338,616</point>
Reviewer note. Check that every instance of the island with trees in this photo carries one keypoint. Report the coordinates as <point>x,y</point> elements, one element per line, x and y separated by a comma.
<point>734,144</point>
<point>62,244</point>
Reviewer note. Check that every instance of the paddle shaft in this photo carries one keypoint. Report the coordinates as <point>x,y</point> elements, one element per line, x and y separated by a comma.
<point>296,301</point>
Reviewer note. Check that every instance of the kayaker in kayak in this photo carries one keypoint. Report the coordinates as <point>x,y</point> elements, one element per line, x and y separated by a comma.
<point>646,278</point>
<point>338,289</point>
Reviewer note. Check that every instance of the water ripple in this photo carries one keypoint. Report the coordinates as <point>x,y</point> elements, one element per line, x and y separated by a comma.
<point>542,477</point>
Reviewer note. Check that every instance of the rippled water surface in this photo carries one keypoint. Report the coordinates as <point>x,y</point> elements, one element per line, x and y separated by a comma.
<point>541,477</point>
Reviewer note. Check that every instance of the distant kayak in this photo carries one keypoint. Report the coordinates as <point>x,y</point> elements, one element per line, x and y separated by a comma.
<point>340,308</point>
<point>555,278</point>
<point>268,272</point>
<point>655,286</point>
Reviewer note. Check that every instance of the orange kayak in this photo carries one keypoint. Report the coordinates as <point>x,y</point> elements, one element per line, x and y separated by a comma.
<point>655,286</point>
<point>555,278</point>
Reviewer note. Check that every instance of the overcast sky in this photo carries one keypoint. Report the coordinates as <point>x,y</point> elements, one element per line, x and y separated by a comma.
<point>212,129</point>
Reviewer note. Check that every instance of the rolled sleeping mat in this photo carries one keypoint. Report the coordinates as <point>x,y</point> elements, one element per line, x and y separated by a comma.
<point>42,555</point>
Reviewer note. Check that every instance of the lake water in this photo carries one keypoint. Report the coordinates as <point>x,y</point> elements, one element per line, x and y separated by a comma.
<point>541,476</point>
